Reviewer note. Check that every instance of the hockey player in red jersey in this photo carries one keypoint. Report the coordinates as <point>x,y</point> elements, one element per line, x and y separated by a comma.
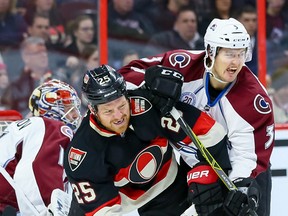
<point>120,159</point>
<point>31,150</point>
<point>218,82</point>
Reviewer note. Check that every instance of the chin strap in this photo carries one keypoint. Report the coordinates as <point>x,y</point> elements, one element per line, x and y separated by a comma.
<point>217,79</point>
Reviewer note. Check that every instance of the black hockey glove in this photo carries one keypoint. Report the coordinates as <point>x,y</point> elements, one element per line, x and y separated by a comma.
<point>205,189</point>
<point>243,201</point>
<point>164,86</point>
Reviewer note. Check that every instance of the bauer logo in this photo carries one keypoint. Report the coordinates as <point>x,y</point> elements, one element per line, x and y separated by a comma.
<point>75,158</point>
<point>188,97</point>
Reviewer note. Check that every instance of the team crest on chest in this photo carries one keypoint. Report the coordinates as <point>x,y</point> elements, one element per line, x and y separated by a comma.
<point>179,59</point>
<point>139,105</point>
<point>189,98</point>
<point>261,105</point>
<point>75,158</point>
<point>146,165</point>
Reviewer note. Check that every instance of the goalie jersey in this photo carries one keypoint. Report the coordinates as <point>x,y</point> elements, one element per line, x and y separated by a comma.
<point>31,151</point>
<point>117,173</point>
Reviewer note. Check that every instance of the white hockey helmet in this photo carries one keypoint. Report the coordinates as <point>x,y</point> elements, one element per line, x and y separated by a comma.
<point>227,33</point>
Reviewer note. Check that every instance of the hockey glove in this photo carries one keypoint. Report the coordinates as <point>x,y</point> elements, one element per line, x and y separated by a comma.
<point>243,201</point>
<point>164,86</point>
<point>205,189</point>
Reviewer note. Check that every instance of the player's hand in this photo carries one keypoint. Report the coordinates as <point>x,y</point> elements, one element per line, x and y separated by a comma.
<point>243,201</point>
<point>165,86</point>
<point>205,189</point>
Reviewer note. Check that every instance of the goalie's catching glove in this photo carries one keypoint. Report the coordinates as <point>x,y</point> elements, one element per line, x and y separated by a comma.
<point>205,189</point>
<point>243,201</point>
<point>164,86</point>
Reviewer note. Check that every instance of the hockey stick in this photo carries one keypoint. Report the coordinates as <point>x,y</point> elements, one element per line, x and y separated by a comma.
<point>20,192</point>
<point>205,153</point>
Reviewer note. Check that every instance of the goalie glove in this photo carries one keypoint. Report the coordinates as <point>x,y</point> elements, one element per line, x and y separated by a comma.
<point>164,86</point>
<point>243,201</point>
<point>205,189</point>
<point>60,203</point>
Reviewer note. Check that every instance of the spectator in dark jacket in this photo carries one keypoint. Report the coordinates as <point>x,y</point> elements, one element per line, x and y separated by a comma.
<point>184,35</point>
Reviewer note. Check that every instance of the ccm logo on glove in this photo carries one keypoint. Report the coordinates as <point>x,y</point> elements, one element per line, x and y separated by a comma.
<point>202,174</point>
<point>173,73</point>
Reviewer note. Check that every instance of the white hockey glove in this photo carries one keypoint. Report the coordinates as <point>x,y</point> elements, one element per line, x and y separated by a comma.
<point>60,203</point>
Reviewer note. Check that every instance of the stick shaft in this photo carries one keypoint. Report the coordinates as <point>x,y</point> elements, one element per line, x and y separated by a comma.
<point>206,154</point>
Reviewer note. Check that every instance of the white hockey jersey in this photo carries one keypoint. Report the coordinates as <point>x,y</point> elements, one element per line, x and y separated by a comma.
<point>243,108</point>
<point>31,151</point>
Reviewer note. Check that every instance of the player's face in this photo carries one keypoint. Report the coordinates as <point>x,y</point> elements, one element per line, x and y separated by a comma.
<point>228,63</point>
<point>115,115</point>
<point>72,114</point>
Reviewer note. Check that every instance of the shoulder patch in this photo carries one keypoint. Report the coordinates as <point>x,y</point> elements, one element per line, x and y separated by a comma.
<point>75,158</point>
<point>139,105</point>
<point>188,97</point>
<point>261,105</point>
<point>67,131</point>
<point>181,59</point>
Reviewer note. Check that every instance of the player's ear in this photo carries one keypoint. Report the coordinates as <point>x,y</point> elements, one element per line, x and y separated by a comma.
<point>92,110</point>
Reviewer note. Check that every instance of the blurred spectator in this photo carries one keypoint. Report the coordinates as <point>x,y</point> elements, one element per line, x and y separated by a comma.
<point>12,25</point>
<point>77,67</point>
<point>129,56</point>
<point>247,15</point>
<point>125,23</point>
<point>221,9</point>
<point>277,34</point>
<point>50,9</point>
<point>88,60</point>
<point>39,26</point>
<point>35,58</point>
<point>70,9</point>
<point>277,87</point>
<point>275,22</point>
<point>4,81</point>
<point>166,12</point>
<point>82,32</point>
<point>184,35</point>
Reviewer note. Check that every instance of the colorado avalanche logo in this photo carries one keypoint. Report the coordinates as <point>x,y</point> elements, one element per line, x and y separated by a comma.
<point>75,158</point>
<point>189,98</point>
<point>67,131</point>
<point>139,105</point>
<point>261,105</point>
<point>181,59</point>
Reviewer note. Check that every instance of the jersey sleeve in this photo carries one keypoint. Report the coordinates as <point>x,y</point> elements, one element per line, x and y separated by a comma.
<point>251,132</point>
<point>209,132</point>
<point>134,72</point>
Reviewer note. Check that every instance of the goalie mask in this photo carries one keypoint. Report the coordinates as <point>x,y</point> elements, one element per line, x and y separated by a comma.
<point>56,100</point>
<point>227,33</point>
<point>102,85</point>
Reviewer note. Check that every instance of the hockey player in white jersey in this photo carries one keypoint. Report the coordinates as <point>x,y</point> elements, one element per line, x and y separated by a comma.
<point>31,150</point>
<point>218,82</point>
